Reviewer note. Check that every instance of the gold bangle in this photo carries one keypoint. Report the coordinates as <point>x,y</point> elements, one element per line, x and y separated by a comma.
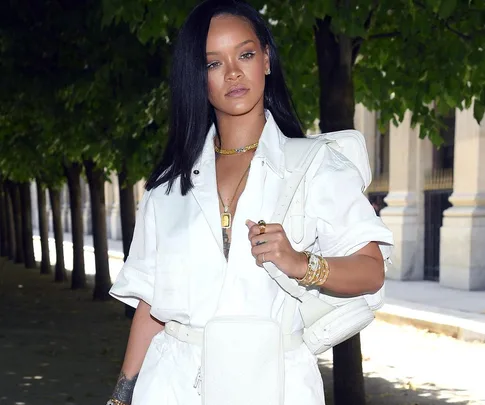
<point>325,272</point>
<point>315,275</point>
<point>300,280</point>
<point>313,272</point>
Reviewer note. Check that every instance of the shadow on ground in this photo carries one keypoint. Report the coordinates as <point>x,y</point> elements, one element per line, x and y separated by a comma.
<point>58,347</point>
<point>380,391</point>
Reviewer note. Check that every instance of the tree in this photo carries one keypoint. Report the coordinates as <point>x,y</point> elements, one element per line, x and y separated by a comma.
<point>4,239</point>
<point>9,229</point>
<point>45,264</point>
<point>13,190</point>
<point>99,109</point>
<point>73,172</point>
<point>22,159</point>
<point>25,105</point>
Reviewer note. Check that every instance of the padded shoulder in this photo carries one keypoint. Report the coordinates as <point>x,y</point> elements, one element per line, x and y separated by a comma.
<point>349,144</point>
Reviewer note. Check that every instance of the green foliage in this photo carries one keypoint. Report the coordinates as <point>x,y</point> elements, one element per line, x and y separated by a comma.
<point>83,82</point>
<point>86,92</point>
<point>426,56</point>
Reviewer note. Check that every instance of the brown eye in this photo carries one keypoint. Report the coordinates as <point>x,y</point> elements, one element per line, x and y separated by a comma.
<point>248,55</point>
<point>212,65</point>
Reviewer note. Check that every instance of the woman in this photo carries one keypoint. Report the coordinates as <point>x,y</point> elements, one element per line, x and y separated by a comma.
<point>198,249</point>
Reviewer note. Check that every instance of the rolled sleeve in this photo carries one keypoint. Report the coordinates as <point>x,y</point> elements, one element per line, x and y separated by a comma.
<point>135,281</point>
<point>346,221</point>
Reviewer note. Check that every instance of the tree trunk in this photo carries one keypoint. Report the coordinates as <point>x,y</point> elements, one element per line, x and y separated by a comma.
<point>127,210</point>
<point>95,176</point>
<point>60,274</point>
<point>17,221</point>
<point>337,107</point>
<point>27,234</point>
<point>73,174</point>
<point>334,58</point>
<point>45,263</point>
<point>128,215</point>
<point>3,223</point>
<point>10,221</point>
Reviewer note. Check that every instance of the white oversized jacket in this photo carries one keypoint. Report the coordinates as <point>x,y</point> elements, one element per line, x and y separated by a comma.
<point>176,262</point>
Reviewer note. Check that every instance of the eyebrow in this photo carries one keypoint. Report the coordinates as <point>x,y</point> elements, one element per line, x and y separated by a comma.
<point>237,46</point>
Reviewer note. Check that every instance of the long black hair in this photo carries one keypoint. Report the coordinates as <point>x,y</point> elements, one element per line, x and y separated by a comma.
<point>191,114</point>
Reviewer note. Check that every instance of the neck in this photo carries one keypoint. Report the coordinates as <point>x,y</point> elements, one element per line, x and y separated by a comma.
<point>240,131</point>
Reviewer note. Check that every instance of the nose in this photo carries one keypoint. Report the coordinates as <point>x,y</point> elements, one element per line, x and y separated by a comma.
<point>233,72</point>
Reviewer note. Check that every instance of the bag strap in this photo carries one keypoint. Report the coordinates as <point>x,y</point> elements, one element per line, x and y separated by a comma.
<point>298,164</point>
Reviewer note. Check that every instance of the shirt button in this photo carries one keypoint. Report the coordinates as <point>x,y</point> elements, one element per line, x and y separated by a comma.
<point>262,163</point>
<point>196,172</point>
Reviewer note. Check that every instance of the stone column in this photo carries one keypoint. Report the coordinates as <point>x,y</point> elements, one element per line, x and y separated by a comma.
<point>50,215</point>
<point>139,190</point>
<point>114,209</point>
<point>86,203</point>
<point>410,159</point>
<point>35,207</point>
<point>365,122</point>
<point>66,209</point>
<point>108,200</point>
<point>462,252</point>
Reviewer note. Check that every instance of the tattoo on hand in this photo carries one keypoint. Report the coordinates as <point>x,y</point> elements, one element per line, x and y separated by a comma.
<point>124,388</point>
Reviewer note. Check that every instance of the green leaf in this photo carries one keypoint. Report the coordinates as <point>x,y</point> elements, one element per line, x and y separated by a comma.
<point>478,110</point>
<point>447,7</point>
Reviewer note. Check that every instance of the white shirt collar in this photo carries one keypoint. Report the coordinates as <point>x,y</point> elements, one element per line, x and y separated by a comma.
<point>270,148</point>
<point>271,145</point>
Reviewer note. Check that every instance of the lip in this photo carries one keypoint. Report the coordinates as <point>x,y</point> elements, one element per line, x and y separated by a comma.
<point>237,91</point>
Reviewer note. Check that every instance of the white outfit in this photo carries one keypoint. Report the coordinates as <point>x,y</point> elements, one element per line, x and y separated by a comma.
<point>176,262</point>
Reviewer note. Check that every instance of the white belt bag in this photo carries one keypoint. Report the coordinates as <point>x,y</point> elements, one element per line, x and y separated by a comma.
<point>242,357</point>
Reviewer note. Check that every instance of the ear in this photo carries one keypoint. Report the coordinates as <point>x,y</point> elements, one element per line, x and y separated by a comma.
<point>267,65</point>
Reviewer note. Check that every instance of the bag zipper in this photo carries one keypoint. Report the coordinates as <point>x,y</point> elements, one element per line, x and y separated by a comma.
<point>198,381</point>
<point>342,333</point>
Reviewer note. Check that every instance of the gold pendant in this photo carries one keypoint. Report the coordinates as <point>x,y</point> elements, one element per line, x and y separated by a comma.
<point>226,220</point>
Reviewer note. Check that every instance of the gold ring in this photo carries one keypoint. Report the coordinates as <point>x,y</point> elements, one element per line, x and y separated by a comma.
<point>262,227</point>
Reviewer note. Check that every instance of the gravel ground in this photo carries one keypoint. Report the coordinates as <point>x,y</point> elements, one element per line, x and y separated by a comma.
<point>58,347</point>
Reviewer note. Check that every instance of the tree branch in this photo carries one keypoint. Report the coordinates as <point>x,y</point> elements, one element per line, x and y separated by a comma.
<point>443,22</point>
<point>393,34</point>
<point>368,20</point>
<point>357,42</point>
<point>460,34</point>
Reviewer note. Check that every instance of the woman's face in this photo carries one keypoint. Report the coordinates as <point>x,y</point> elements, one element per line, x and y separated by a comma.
<point>236,66</point>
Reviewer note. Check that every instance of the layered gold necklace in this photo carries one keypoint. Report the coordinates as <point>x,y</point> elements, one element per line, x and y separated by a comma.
<point>236,151</point>
<point>226,216</point>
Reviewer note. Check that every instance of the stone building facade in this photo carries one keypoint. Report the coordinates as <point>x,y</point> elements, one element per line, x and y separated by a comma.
<point>434,199</point>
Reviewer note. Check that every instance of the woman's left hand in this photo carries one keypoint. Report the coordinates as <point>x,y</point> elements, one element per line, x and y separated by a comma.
<point>274,246</point>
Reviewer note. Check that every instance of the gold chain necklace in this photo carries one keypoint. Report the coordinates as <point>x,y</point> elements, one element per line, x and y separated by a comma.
<point>235,151</point>
<point>226,216</point>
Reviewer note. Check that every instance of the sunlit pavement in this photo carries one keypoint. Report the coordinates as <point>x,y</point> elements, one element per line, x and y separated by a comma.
<point>418,367</point>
